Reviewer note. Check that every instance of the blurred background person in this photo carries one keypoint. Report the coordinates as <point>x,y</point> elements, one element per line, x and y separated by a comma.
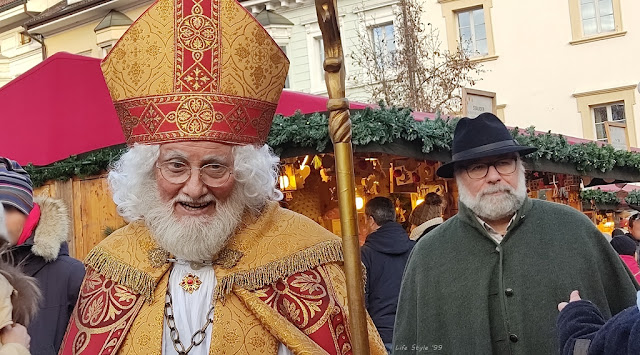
<point>426,216</point>
<point>384,254</point>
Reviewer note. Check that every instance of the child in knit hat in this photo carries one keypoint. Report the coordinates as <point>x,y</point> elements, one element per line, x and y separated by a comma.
<point>19,298</point>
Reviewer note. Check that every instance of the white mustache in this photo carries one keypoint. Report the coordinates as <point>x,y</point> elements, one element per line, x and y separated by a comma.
<point>496,188</point>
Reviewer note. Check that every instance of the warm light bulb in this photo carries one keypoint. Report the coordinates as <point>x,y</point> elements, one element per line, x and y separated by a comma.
<point>284,182</point>
<point>359,202</point>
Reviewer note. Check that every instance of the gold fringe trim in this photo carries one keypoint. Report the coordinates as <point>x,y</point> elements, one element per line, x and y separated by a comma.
<point>126,275</point>
<point>322,253</point>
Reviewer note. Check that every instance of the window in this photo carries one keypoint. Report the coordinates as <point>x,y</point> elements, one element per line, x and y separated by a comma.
<point>469,28</point>
<point>472,32</point>
<point>105,50</point>
<point>384,43</point>
<point>604,113</point>
<point>319,49</point>
<point>593,20</point>
<point>286,81</point>
<point>597,16</point>
<point>611,104</point>
<point>24,39</point>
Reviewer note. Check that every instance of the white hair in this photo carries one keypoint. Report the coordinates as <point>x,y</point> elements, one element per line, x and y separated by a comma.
<point>492,208</point>
<point>255,170</point>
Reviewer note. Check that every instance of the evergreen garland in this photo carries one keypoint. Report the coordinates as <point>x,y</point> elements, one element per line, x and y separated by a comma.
<point>380,125</point>
<point>599,197</point>
<point>633,198</point>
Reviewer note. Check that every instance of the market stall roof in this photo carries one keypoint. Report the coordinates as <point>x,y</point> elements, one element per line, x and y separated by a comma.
<point>61,107</point>
<point>58,108</point>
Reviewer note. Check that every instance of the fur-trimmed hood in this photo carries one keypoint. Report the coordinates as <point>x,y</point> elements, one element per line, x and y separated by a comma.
<point>53,228</point>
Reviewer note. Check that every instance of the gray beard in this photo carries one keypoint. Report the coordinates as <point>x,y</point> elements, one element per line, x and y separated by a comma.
<point>493,208</point>
<point>192,238</point>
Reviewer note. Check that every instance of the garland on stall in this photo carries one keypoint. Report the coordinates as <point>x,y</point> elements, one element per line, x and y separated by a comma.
<point>633,198</point>
<point>380,125</point>
<point>599,197</point>
<point>87,164</point>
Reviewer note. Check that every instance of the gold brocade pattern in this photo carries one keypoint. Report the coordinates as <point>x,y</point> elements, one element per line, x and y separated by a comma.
<point>145,335</point>
<point>339,283</point>
<point>195,70</point>
<point>252,64</point>
<point>142,61</point>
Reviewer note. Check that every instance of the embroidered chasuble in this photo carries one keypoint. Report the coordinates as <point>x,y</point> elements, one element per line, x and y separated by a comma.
<point>279,284</point>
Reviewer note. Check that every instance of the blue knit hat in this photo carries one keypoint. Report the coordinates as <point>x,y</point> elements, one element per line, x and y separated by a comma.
<point>16,188</point>
<point>624,245</point>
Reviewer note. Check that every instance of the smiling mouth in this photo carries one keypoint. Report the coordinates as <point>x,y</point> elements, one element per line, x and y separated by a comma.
<point>195,206</point>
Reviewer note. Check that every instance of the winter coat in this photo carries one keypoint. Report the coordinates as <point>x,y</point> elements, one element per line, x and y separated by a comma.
<point>425,228</point>
<point>463,293</point>
<point>6,309</point>
<point>45,256</point>
<point>582,330</point>
<point>384,254</point>
<point>632,264</point>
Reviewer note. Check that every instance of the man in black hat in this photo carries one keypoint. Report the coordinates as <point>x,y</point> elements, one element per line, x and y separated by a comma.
<point>488,280</point>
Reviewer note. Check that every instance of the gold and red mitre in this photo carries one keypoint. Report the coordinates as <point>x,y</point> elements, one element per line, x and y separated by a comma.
<point>196,70</point>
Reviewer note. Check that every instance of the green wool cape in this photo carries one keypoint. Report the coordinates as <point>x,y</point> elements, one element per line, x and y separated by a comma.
<point>464,294</point>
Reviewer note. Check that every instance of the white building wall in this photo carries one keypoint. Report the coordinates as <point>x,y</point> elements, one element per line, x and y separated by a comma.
<point>537,70</point>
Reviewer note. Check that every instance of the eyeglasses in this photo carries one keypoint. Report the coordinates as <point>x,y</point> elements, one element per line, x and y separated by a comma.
<point>178,172</point>
<point>505,166</point>
<point>634,217</point>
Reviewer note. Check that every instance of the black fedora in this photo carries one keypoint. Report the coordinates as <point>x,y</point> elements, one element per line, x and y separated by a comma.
<point>480,137</point>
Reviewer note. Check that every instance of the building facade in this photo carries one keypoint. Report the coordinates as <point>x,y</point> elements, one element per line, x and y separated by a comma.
<point>565,66</point>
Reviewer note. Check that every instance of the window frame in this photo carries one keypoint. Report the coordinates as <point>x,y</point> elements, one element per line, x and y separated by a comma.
<point>577,34</point>
<point>450,10</point>
<point>586,101</point>
<point>609,116</point>
<point>384,25</point>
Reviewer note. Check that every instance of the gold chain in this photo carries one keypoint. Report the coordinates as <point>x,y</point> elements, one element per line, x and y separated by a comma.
<point>196,339</point>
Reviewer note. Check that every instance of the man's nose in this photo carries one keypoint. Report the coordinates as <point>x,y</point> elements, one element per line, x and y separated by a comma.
<point>194,187</point>
<point>493,175</point>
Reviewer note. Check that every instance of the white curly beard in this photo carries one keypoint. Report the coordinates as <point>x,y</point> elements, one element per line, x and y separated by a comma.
<point>192,238</point>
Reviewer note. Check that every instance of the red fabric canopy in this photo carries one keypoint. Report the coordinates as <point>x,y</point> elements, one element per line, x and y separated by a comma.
<point>62,107</point>
<point>58,108</point>
<point>291,101</point>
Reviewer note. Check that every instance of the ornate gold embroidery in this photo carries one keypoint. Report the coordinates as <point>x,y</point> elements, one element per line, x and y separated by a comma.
<point>194,116</point>
<point>158,257</point>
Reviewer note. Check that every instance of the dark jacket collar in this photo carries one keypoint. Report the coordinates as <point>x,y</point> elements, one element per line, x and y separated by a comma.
<point>390,238</point>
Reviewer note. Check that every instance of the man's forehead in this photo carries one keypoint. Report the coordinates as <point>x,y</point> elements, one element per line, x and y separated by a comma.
<point>201,150</point>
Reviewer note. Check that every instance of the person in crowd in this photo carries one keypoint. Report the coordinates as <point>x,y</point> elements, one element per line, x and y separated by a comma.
<point>209,263</point>
<point>426,216</point>
<point>488,279</point>
<point>384,254</point>
<point>583,330</point>
<point>19,298</point>
<point>634,229</point>
<point>616,232</point>
<point>626,248</point>
<point>38,232</point>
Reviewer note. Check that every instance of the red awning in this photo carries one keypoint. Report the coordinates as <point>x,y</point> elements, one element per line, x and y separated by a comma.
<point>291,101</point>
<point>62,107</point>
<point>58,108</point>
